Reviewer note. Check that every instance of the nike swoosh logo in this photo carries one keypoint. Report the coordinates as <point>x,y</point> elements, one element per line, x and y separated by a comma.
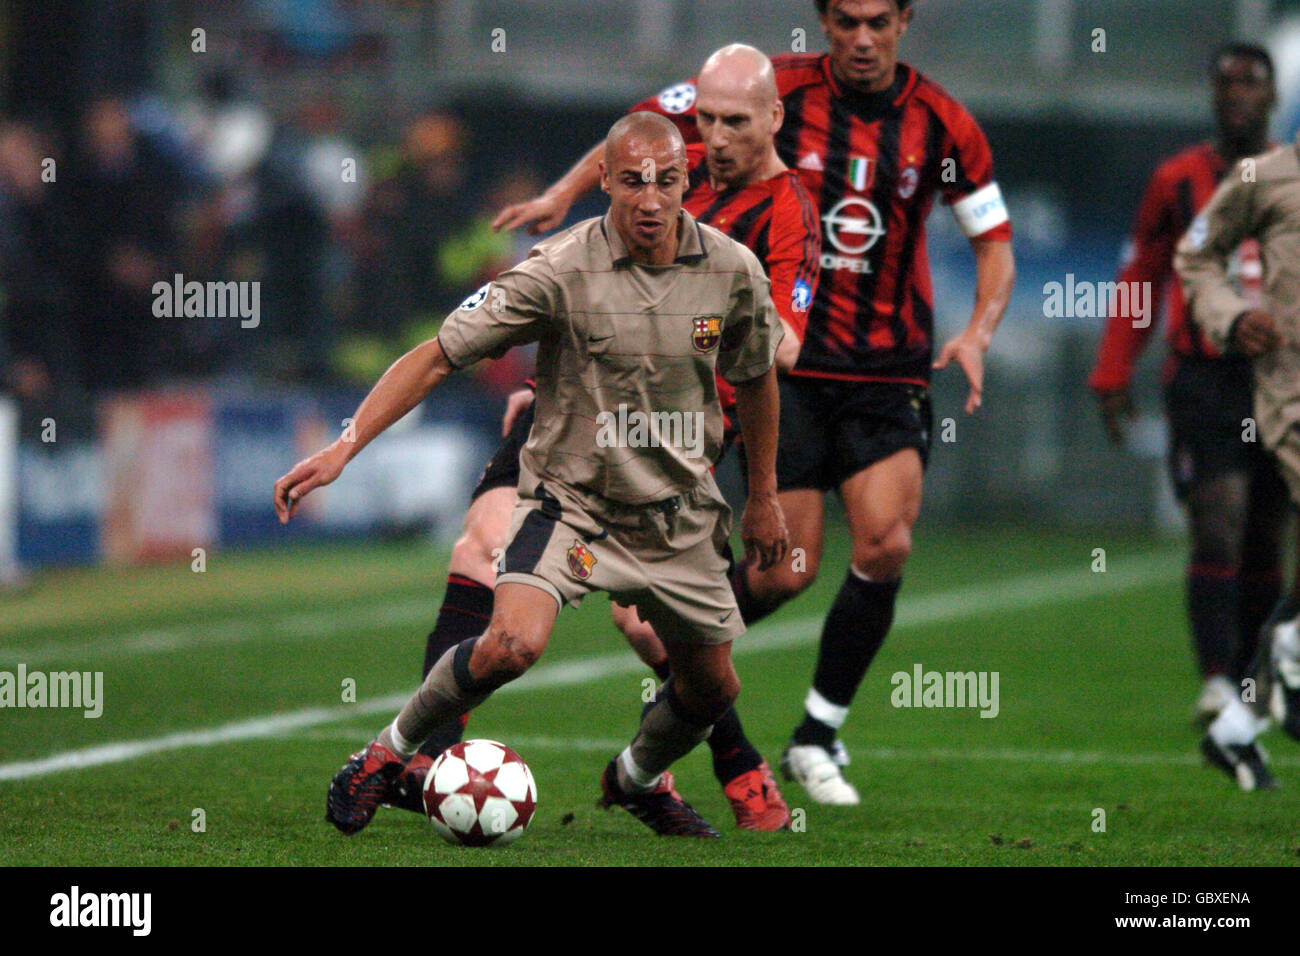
<point>600,338</point>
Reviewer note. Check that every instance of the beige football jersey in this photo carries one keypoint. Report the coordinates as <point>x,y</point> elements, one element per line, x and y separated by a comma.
<point>627,402</point>
<point>1260,199</point>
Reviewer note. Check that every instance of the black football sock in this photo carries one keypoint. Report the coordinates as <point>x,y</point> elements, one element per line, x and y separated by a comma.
<point>1213,605</point>
<point>733,754</point>
<point>752,610</point>
<point>855,629</point>
<point>465,612</point>
<point>1260,592</point>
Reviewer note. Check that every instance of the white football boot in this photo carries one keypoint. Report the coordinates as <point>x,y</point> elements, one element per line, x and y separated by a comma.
<point>1216,694</point>
<point>1230,744</point>
<point>817,772</point>
<point>840,753</point>
<point>1285,659</point>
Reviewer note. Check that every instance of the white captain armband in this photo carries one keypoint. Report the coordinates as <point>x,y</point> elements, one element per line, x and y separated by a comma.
<point>981,211</point>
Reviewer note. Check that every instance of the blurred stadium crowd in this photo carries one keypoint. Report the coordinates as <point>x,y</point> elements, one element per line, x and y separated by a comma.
<point>359,249</point>
<point>347,156</point>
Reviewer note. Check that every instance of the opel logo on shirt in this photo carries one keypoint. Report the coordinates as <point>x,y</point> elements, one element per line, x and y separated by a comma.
<point>852,227</point>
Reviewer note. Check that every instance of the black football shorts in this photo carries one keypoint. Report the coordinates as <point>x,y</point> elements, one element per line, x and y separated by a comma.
<point>503,470</point>
<point>1209,403</point>
<point>831,430</point>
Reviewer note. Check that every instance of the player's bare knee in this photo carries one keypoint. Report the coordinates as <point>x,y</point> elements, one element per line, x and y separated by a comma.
<point>790,579</point>
<point>883,558</point>
<point>709,695</point>
<point>724,693</point>
<point>502,654</point>
<point>785,580</point>
<point>476,552</point>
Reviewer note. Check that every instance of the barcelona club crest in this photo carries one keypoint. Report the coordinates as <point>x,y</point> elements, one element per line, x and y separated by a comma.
<point>708,330</point>
<point>581,560</point>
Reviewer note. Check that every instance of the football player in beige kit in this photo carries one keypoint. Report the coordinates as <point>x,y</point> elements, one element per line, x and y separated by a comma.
<point>632,313</point>
<point>1260,200</point>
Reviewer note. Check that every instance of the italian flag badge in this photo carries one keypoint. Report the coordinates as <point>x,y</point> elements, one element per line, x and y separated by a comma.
<point>859,167</point>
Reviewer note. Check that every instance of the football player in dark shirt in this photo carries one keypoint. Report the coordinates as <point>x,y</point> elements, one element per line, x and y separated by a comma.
<point>1236,500</point>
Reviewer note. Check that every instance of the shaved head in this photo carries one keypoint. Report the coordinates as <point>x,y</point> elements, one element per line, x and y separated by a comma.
<point>644,172</point>
<point>648,131</point>
<point>739,71</point>
<point>738,112</point>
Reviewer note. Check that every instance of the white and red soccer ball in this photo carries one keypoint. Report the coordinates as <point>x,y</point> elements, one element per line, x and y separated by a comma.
<point>480,793</point>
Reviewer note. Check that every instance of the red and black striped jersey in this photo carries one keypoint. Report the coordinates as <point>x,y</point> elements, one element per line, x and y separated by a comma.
<point>777,221</point>
<point>1179,188</point>
<point>873,164</point>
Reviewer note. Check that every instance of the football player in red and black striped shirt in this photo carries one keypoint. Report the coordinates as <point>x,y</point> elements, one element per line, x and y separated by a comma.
<point>739,185</point>
<point>1236,500</point>
<point>875,144</point>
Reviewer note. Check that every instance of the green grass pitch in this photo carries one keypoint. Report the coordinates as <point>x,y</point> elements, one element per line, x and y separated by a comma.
<point>223,694</point>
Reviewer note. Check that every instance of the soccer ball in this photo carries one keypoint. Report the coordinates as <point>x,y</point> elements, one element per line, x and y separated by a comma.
<point>480,793</point>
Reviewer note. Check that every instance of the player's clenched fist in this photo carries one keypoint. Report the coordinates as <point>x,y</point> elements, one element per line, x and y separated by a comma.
<point>1255,333</point>
<point>762,529</point>
<point>320,469</point>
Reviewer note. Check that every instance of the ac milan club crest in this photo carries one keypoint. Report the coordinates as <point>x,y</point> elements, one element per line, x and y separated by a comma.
<point>708,330</point>
<point>581,560</point>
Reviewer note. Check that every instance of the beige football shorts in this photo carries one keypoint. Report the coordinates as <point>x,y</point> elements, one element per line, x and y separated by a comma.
<point>670,558</point>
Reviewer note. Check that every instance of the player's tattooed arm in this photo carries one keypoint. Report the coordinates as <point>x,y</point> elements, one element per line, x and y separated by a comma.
<point>547,211</point>
<point>406,383</point>
<point>995,275</point>
<point>762,526</point>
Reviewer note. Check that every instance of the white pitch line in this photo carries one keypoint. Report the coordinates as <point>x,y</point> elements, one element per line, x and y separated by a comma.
<point>295,626</point>
<point>1033,590</point>
<point>862,756</point>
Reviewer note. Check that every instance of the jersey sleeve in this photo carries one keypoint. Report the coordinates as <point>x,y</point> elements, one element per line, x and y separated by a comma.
<point>1202,257</point>
<point>794,256</point>
<point>676,102</point>
<point>516,307</point>
<point>966,179</point>
<point>752,330</point>
<point>1149,260</point>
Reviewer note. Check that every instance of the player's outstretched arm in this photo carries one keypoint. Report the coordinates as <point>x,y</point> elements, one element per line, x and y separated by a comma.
<point>548,210</point>
<point>762,526</point>
<point>406,383</point>
<point>995,275</point>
